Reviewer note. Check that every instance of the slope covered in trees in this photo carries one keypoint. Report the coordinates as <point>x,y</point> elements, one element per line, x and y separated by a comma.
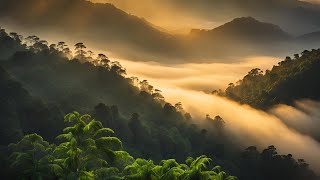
<point>102,25</point>
<point>292,79</point>
<point>19,109</point>
<point>134,109</point>
<point>42,82</point>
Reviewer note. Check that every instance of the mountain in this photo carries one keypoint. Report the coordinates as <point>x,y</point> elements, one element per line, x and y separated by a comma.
<point>245,29</point>
<point>241,36</point>
<point>110,28</point>
<point>311,36</point>
<point>310,40</point>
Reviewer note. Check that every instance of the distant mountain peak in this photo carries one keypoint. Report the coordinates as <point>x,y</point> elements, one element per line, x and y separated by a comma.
<point>247,19</point>
<point>250,22</point>
<point>246,28</point>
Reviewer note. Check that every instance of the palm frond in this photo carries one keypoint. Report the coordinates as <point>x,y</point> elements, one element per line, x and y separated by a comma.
<point>103,132</point>
<point>108,143</point>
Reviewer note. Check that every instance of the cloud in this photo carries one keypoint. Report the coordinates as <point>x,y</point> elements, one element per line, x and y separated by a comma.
<point>304,116</point>
<point>248,126</point>
<point>192,76</point>
<point>245,125</point>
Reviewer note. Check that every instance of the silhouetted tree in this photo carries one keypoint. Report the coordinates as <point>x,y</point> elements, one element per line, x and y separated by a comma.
<point>80,50</point>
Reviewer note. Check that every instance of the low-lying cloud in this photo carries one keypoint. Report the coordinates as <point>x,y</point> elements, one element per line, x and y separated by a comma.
<point>249,126</point>
<point>290,129</point>
<point>191,76</point>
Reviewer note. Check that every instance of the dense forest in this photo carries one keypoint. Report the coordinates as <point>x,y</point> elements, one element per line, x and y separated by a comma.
<point>292,79</point>
<point>40,83</point>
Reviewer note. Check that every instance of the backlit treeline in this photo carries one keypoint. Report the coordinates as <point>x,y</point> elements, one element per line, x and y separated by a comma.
<point>35,44</point>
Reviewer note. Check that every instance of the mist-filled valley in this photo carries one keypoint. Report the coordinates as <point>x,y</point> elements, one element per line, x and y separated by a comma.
<point>283,126</point>
<point>114,90</point>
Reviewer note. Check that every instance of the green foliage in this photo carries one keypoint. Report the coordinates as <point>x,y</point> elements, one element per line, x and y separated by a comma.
<point>271,165</point>
<point>88,151</point>
<point>32,156</point>
<point>291,80</point>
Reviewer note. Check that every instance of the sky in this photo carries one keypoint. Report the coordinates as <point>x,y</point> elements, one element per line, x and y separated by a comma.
<point>162,14</point>
<point>179,16</point>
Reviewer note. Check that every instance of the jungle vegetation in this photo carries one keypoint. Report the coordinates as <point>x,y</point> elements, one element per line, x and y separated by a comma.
<point>87,150</point>
<point>292,79</point>
<point>41,82</point>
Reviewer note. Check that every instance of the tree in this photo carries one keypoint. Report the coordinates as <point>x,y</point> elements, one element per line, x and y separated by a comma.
<point>90,54</point>
<point>198,170</point>
<point>18,38</point>
<point>80,50</point>
<point>117,68</point>
<point>102,60</point>
<point>40,45</point>
<point>218,122</point>
<point>140,169</point>
<point>33,157</point>
<point>61,46</point>
<point>136,128</point>
<point>157,95</point>
<point>89,146</point>
<point>88,151</point>
<point>179,107</point>
<point>146,87</point>
<point>31,40</point>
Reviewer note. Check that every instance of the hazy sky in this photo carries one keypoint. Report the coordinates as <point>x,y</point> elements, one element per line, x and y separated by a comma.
<point>163,14</point>
<point>182,15</point>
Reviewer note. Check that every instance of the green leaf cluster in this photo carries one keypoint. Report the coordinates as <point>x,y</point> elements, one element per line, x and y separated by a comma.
<point>87,150</point>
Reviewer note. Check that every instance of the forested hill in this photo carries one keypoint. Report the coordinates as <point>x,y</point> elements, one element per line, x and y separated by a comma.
<point>292,79</point>
<point>132,107</point>
<point>41,83</point>
<point>19,109</point>
<point>103,25</point>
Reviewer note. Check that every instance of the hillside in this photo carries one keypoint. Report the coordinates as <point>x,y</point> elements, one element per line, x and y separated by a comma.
<point>110,28</point>
<point>245,29</point>
<point>292,79</point>
<point>19,109</point>
<point>311,40</point>
<point>243,37</point>
<point>99,87</point>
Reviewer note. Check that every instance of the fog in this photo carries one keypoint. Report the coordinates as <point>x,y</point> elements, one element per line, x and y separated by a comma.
<point>191,76</point>
<point>279,127</point>
<point>304,116</point>
<point>249,126</point>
